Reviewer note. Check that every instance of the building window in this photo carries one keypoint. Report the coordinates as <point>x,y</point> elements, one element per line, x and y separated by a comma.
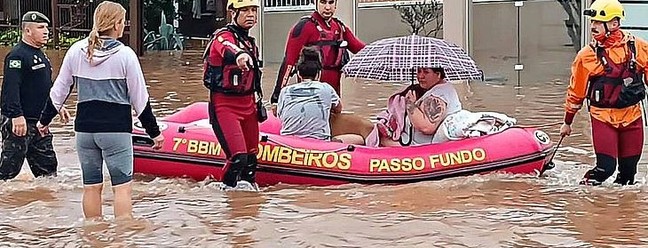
<point>288,5</point>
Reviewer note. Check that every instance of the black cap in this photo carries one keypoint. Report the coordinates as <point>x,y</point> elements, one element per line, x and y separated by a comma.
<point>35,16</point>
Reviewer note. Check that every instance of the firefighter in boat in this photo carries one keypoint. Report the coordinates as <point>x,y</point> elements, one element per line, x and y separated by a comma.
<point>333,38</point>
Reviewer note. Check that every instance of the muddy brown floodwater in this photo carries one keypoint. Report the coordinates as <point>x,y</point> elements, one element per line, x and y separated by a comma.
<point>476,211</point>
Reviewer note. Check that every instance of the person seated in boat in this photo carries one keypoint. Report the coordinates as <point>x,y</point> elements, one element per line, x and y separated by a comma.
<point>431,112</point>
<point>305,108</point>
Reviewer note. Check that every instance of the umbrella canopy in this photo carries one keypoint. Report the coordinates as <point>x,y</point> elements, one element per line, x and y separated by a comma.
<point>396,59</point>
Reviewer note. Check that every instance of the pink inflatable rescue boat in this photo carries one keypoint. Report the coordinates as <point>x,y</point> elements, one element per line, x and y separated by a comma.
<point>192,150</point>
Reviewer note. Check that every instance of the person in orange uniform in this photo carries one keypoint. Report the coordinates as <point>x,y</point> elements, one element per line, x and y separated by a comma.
<point>321,29</point>
<point>610,72</point>
<point>232,75</point>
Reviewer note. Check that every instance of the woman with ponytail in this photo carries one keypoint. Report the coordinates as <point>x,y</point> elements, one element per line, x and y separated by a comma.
<point>305,108</point>
<point>110,84</point>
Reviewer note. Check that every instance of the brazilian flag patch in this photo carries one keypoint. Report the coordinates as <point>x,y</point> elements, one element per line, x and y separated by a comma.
<point>15,64</point>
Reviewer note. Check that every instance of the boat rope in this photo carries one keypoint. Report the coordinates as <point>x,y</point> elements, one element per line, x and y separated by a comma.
<point>540,125</point>
<point>265,138</point>
<point>350,148</point>
<point>182,129</point>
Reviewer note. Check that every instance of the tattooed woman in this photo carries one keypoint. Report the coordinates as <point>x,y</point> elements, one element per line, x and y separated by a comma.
<point>430,112</point>
<point>427,104</point>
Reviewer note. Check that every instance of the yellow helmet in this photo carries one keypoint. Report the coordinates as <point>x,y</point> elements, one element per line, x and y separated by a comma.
<point>237,4</point>
<point>605,10</point>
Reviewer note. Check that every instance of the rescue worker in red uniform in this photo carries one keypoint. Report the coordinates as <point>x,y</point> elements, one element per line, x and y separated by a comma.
<point>334,39</point>
<point>610,72</point>
<point>232,74</point>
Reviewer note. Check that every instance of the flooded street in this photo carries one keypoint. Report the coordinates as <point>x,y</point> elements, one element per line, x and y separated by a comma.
<point>476,211</point>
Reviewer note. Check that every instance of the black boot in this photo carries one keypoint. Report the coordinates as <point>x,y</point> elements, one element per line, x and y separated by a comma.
<point>233,172</point>
<point>605,166</point>
<point>249,170</point>
<point>627,170</point>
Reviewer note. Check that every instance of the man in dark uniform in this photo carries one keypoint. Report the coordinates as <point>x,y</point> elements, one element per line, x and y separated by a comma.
<point>329,35</point>
<point>25,90</point>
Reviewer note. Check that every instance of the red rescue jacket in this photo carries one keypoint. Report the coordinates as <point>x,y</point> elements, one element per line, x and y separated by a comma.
<point>221,73</point>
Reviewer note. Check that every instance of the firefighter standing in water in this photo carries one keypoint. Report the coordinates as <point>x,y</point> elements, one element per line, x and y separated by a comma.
<point>610,73</point>
<point>232,75</point>
<point>330,35</point>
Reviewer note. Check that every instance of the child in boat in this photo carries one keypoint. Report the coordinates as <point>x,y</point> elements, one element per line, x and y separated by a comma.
<point>304,108</point>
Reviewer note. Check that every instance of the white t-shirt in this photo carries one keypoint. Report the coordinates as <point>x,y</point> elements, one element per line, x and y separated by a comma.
<point>447,93</point>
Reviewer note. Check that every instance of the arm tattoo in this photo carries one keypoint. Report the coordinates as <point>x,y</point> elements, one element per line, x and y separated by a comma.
<point>433,108</point>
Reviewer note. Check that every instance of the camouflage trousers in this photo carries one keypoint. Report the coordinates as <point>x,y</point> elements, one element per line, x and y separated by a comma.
<point>38,150</point>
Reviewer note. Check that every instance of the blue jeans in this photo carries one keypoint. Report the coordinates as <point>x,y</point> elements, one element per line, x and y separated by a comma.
<point>116,149</point>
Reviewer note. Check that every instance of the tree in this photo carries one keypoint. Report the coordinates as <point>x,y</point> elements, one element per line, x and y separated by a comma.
<point>424,18</point>
<point>573,9</point>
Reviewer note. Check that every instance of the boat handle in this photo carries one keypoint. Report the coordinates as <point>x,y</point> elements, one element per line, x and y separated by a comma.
<point>142,141</point>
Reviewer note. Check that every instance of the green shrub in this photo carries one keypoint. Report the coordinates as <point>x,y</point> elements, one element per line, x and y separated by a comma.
<point>65,41</point>
<point>11,37</point>
<point>153,12</point>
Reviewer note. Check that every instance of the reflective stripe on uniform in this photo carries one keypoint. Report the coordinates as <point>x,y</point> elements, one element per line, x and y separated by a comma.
<point>574,106</point>
<point>231,45</point>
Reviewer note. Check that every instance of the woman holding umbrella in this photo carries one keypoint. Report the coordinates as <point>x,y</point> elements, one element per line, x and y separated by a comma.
<point>426,105</point>
<point>428,111</point>
<point>431,112</point>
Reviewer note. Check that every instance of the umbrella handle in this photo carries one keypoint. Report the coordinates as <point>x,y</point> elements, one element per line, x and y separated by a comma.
<point>413,75</point>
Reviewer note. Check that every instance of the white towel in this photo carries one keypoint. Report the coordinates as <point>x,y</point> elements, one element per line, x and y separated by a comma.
<point>465,124</point>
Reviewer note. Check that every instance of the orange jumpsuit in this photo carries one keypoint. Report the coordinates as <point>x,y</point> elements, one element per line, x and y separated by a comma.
<point>617,133</point>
